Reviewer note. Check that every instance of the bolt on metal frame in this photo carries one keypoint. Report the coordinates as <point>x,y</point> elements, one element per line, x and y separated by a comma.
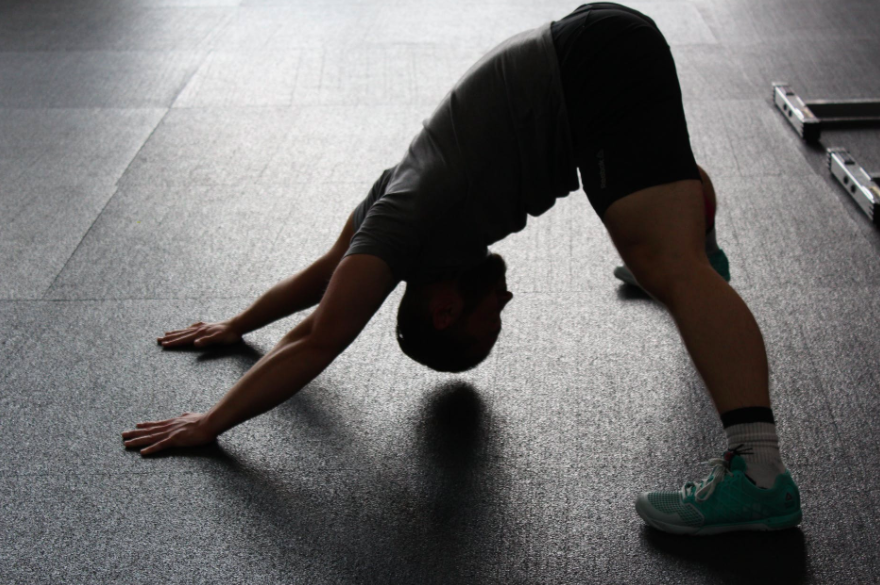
<point>810,118</point>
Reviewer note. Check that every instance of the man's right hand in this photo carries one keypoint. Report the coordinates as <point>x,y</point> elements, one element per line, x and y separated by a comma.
<point>201,335</point>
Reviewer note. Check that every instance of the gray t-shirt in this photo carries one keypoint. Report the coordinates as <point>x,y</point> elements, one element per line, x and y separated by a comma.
<point>497,149</point>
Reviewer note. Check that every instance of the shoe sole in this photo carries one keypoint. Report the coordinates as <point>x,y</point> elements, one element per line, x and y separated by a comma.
<point>765,525</point>
<point>622,273</point>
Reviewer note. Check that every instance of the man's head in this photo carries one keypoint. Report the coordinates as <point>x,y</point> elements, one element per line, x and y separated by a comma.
<point>451,325</point>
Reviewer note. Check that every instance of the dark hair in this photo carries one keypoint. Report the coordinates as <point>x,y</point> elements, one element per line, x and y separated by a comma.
<point>449,350</point>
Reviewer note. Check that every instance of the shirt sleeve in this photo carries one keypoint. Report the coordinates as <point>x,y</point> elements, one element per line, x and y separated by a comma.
<point>418,194</point>
<point>376,192</point>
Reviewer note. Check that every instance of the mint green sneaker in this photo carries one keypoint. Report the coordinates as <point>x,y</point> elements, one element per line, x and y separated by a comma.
<point>723,502</point>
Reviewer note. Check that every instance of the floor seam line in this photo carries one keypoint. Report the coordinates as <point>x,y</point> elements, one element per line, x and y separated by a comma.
<point>104,208</point>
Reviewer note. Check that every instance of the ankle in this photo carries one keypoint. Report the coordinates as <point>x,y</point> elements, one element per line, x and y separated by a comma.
<point>751,434</point>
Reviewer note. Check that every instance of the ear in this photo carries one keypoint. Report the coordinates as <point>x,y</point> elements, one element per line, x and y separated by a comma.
<point>446,308</point>
<point>444,316</point>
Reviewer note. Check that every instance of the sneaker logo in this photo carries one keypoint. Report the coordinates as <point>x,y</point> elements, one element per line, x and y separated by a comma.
<point>739,450</point>
<point>789,500</point>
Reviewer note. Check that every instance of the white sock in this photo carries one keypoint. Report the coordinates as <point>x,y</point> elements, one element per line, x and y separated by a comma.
<point>758,445</point>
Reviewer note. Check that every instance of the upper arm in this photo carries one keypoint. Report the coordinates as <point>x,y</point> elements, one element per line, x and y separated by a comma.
<point>359,286</point>
<point>342,242</point>
<point>376,192</point>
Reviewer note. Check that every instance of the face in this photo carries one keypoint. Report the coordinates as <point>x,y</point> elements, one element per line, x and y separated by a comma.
<point>484,293</point>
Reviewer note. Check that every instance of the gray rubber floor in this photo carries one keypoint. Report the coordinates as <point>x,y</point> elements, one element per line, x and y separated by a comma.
<point>165,162</point>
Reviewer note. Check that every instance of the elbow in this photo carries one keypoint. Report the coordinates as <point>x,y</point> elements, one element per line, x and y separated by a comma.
<point>300,332</point>
<point>306,339</point>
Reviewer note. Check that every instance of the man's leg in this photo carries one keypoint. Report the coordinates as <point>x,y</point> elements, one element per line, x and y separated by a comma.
<point>717,257</point>
<point>659,232</point>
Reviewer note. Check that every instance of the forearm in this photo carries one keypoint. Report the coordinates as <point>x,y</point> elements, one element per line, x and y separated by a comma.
<point>280,374</point>
<point>359,286</point>
<point>291,295</point>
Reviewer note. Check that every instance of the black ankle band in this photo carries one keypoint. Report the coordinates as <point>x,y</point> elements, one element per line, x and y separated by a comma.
<point>750,414</point>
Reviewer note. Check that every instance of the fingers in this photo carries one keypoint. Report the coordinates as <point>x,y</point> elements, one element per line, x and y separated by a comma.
<point>175,334</point>
<point>205,340</point>
<point>129,437</point>
<point>150,427</point>
<point>188,337</point>
<point>179,340</point>
<point>164,444</point>
<point>155,443</point>
<point>181,431</point>
<point>145,440</point>
<point>133,434</point>
<point>179,333</point>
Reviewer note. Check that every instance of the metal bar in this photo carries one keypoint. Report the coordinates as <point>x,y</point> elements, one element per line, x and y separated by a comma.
<point>859,184</point>
<point>841,114</point>
<point>849,109</point>
<point>847,123</point>
<point>797,112</point>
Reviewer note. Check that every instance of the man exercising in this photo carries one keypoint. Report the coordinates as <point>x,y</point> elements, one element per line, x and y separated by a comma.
<point>596,92</point>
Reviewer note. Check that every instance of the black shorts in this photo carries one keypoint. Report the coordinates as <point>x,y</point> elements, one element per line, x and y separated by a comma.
<point>624,102</point>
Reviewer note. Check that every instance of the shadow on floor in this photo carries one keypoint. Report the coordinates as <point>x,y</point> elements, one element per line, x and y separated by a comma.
<point>453,447</point>
<point>453,431</point>
<point>435,513</point>
<point>243,353</point>
<point>744,557</point>
<point>628,292</point>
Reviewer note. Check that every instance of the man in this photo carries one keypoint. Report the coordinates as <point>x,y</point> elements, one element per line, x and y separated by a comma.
<point>595,92</point>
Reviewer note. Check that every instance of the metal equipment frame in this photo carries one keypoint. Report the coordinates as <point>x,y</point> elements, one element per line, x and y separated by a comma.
<point>810,118</point>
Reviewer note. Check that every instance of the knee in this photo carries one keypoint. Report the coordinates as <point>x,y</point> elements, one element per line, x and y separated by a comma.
<point>710,200</point>
<point>663,274</point>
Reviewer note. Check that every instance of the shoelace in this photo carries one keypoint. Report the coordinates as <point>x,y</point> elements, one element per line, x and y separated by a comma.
<point>705,488</point>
